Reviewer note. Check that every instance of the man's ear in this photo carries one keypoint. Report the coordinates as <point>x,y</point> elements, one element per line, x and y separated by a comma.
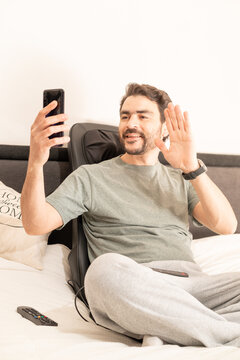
<point>164,132</point>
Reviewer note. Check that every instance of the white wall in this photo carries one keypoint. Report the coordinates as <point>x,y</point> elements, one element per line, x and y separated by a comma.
<point>93,48</point>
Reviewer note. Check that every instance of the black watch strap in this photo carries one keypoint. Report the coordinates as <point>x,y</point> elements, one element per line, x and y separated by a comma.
<point>193,174</point>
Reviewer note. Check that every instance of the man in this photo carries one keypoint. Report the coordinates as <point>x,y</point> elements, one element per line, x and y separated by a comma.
<point>135,216</point>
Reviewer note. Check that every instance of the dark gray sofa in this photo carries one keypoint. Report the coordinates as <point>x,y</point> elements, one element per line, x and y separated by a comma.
<point>223,169</point>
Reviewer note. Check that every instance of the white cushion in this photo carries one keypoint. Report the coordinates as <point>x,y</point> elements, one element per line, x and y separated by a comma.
<point>15,243</point>
<point>218,254</point>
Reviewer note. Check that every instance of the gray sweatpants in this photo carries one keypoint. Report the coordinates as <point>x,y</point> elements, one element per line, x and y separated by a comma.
<point>134,300</point>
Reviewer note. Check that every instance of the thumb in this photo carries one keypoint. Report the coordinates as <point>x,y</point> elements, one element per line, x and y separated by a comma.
<point>160,144</point>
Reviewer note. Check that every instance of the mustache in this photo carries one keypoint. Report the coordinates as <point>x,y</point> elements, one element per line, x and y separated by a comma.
<point>133,131</point>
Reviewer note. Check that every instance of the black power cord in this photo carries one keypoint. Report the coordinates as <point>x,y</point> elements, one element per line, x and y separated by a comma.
<point>70,282</point>
<point>85,303</point>
<point>87,306</point>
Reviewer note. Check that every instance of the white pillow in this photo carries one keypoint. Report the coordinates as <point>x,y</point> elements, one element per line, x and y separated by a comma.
<point>15,243</point>
<point>218,254</point>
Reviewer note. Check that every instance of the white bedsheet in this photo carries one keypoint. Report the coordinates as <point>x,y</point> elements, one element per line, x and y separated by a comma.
<point>48,292</point>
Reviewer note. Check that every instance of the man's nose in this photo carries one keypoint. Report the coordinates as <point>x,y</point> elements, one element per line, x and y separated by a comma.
<point>133,121</point>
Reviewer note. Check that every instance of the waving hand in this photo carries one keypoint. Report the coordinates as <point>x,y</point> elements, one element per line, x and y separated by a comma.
<point>181,153</point>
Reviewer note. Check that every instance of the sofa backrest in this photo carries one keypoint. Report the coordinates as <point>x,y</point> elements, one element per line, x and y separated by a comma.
<point>13,167</point>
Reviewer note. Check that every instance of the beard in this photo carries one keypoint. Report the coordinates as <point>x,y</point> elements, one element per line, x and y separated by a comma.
<point>146,143</point>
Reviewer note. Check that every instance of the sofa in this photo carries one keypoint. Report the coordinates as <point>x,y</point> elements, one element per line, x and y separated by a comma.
<point>48,290</point>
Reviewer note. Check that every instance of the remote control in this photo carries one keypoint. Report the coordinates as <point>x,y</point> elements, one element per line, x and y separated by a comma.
<point>35,316</point>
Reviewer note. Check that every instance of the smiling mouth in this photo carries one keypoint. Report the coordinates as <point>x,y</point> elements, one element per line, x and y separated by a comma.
<point>131,136</point>
<point>131,139</point>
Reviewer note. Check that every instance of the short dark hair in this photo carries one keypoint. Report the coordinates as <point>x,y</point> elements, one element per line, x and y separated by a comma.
<point>152,93</point>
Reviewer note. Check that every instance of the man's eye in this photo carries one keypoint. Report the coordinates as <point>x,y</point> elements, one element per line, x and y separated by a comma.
<point>124,117</point>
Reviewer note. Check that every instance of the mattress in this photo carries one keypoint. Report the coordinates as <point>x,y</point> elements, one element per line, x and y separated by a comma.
<point>73,338</point>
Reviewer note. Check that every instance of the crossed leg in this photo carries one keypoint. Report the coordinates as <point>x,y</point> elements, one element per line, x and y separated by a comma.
<point>134,300</point>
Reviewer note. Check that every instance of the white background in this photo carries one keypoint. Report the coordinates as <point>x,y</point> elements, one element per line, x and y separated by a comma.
<point>94,48</point>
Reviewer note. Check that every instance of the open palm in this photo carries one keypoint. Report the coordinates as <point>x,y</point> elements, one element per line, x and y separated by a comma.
<point>181,153</point>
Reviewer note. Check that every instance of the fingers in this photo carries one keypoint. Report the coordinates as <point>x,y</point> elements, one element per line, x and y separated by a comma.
<point>187,122</point>
<point>51,120</point>
<point>44,126</point>
<point>160,144</point>
<point>175,120</point>
<point>168,121</point>
<point>54,129</point>
<point>47,109</point>
<point>42,122</point>
<point>50,124</point>
<point>180,119</point>
<point>59,141</point>
<point>173,116</point>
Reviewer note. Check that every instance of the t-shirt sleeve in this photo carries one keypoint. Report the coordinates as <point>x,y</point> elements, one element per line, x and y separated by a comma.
<point>193,199</point>
<point>73,196</point>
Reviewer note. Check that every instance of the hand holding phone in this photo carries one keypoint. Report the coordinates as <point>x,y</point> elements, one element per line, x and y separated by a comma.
<point>49,96</point>
<point>48,128</point>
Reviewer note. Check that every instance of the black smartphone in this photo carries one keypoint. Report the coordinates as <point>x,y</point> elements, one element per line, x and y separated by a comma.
<point>172,272</point>
<point>58,95</point>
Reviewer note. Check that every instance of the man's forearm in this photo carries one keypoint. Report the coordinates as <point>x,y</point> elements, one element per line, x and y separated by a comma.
<point>38,216</point>
<point>214,209</point>
<point>33,200</point>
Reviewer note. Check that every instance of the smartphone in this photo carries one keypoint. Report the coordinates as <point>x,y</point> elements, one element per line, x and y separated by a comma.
<point>172,272</point>
<point>49,96</point>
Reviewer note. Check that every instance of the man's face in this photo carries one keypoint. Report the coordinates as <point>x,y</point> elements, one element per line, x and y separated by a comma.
<point>139,125</point>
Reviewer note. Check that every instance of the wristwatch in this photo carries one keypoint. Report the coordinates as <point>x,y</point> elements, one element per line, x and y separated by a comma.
<point>193,174</point>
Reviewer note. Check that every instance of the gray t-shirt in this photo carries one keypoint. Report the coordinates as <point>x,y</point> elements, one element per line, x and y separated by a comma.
<point>138,211</point>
